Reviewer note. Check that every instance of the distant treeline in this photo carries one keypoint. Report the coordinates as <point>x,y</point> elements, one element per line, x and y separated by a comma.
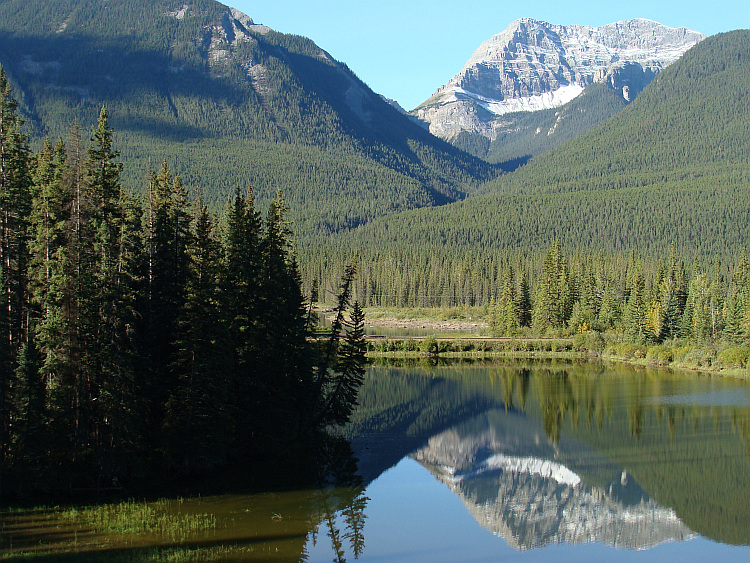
<point>138,339</point>
<point>647,299</point>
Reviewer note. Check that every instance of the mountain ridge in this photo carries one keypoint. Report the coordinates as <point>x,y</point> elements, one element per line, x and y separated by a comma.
<point>226,101</point>
<point>534,65</point>
<point>671,168</point>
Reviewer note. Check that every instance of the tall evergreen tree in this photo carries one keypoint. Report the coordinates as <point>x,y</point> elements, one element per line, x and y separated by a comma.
<point>107,306</point>
<point>635,315</point>
<point>552,301</point>
<point>281,317</point>
<point>199,417</point>
<point>332,389</point>
<point>504,316</point>
<point>523,300</point>
<point>15,201</point>
<point>169,237</point>
<point>240,291</point>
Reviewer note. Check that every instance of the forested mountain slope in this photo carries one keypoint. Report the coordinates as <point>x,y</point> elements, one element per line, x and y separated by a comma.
<point>672,167</point>
<point>226,101</point>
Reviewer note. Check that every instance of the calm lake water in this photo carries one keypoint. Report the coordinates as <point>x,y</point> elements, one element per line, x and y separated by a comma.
<point>543,461</point>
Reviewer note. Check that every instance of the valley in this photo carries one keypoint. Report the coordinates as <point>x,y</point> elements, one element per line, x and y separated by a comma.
<point>567,219</point>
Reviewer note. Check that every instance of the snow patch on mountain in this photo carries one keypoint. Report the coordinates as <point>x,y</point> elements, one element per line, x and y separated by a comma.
<point>534,65</point>
<point>546,100</point>
<point>522,465</point>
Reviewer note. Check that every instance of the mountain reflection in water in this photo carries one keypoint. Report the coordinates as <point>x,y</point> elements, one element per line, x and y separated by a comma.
<point>511,485</point>
<point>551,453</point>
<point>573,457</point>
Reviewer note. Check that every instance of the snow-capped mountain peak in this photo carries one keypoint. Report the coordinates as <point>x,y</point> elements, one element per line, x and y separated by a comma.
<point>535,65</point>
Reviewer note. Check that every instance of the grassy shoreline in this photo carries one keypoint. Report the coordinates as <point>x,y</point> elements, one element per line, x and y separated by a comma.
<point>724,361</point>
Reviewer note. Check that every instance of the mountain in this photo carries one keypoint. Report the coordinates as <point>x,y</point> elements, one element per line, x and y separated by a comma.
<point>522,135</point>
<point>512,482</point>
<point>226,101</point>
<point>672,167</point>
<point>534,66</point>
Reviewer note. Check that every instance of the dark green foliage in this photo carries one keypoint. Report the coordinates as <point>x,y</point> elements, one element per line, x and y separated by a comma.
<point>144,344</point>
<point>216,97</point>
<point>340,370</point>
<point>15,203</point>
<point>199,414</point>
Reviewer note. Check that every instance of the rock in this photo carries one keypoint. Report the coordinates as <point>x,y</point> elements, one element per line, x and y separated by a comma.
<point>535,65</point>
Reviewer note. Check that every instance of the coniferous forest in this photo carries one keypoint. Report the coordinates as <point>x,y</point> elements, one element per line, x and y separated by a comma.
<point>163,334</point>
<point>145,339</point>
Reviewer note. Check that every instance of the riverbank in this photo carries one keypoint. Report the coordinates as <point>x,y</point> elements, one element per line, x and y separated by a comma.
<point>469,341</point>
<point>725,361</point>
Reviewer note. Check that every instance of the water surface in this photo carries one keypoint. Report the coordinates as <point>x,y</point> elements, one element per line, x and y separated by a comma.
<point>544,461</point>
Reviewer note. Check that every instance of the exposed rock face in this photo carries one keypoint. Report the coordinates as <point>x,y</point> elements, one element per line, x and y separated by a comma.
<point>535,65</point>
<point>516,487</point>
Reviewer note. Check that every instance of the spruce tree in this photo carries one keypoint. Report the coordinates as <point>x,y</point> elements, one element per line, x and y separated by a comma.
<point>15,202</point>
<point>240,305</point>
<point>332,389</point>
<point>504,313</point>
<point>111,222</point>
<point>199,417</point>
<point>635,315</point>
<point>169,237</point>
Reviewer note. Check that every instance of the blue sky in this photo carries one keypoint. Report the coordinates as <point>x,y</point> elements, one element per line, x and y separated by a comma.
<point>406,49</point>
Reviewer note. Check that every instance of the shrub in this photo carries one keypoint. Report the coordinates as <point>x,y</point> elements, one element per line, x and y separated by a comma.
<point>661,355</point>
<point>629,350</point>
<point>590,341</point>
<point>430,346</point>
<point>699,357</point>
<point>734,357</point>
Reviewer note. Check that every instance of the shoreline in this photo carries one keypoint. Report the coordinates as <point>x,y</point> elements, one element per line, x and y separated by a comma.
<point>490,348</point>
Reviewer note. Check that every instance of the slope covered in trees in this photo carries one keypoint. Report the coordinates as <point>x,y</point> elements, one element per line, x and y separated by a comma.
<point>231,102</point>
<point>141,338</point>
<point>671,168</point>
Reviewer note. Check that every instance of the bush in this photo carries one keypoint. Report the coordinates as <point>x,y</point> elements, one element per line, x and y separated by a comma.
<point>733,357</point>
<point>661,355</point>
<point>693,356</point>
<point>430,346</point>
<point>629,350</point>
<point>590,341</point>
<point>411,345</point>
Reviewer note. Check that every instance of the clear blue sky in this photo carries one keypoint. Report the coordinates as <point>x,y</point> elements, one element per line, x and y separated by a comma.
<point>406,49</point>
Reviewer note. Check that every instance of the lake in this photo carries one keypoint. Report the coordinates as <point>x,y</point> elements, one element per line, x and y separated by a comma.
<point>542,461</point>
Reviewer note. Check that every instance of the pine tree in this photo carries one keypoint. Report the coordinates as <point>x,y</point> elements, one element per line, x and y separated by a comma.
<point>635,316</point>
<point>240,306</point>
<point>169,237</point>
<point>552,293</point>
<point>111,222</point>
<point>523,300</point>
<point>281,320</point>
<point>199,418</point>
<point>738,300</point>
<point>504,314</point>
<point>333,389</point>
<point>15,202</point>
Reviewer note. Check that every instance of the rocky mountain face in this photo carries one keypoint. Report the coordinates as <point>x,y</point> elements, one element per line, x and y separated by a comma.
<point>527,491</point>
<point>534,65</point>
<point>226,102</point>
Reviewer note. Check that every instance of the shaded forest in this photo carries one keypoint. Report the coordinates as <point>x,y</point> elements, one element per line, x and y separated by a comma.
<point>143,339</point>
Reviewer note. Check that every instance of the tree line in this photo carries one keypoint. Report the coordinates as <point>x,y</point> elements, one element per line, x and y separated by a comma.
<point>648,299</point>
<point>142,336</point>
